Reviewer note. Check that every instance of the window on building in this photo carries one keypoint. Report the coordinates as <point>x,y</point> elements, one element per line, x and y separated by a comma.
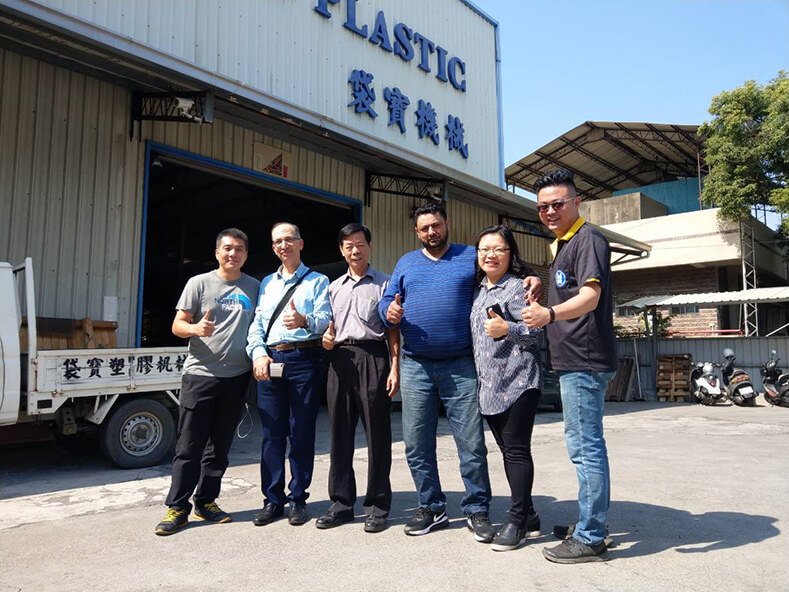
<point>684,309</point>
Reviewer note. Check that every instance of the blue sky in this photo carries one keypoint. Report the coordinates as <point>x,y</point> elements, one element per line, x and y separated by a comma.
<point>569,61</point>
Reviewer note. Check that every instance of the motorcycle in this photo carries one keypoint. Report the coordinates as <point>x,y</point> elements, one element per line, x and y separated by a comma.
<point>776,384</point>
<point>705,385</point>
<point>737,382</point>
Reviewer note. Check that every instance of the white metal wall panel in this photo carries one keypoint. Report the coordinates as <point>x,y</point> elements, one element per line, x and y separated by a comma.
<point>287,50</point>
<point>71,183</point>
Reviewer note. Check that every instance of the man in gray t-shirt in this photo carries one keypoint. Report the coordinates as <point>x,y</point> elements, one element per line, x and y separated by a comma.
<point>222,354</point>
<point>214,313</point>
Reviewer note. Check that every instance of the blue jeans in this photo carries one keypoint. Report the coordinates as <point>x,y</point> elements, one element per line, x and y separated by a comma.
<point>454,381</point>
<point>288,409</point>
<point>583,394</point>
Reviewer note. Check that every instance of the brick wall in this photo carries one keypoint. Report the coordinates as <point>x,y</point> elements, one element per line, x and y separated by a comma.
<point>629,285</point>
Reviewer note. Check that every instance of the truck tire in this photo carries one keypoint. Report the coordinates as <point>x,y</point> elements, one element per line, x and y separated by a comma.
<point>138,433</point>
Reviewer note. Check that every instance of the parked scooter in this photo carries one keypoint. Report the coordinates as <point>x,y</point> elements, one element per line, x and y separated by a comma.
<point>737,382</point>
<point>776,384</point>
<point>705,384</point>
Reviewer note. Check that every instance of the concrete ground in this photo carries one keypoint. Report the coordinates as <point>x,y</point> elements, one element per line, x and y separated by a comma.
<point>700,501</point>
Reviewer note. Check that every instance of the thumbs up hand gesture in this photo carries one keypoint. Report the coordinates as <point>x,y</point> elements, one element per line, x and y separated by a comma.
<point>495,326</point>
<point>205,326</point>
<point>292,318</point>
<point>394,314</point>
<point>535,315</point>
<point>328,337</point>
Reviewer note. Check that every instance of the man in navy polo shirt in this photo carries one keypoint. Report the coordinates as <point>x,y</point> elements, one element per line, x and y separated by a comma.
<point>582,347</point>
<point>430,296</point>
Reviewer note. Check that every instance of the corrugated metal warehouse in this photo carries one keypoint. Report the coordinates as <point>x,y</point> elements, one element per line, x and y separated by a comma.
<point>131,132</point>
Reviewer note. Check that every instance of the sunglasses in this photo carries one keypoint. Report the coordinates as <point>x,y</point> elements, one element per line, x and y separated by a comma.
<point>556,205</point>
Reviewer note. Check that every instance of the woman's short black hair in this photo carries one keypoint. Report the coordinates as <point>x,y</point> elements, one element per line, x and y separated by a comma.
<point>352,228</point>
<point>518,267</point>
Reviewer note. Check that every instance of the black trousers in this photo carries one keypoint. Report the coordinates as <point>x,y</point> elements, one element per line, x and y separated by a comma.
<point>512,430</point>
<point>209,409</point>
<point>356,388</point>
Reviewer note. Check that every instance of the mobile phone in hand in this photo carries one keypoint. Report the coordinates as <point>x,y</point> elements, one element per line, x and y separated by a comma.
<point>275,369</point>
<point>496,307</point>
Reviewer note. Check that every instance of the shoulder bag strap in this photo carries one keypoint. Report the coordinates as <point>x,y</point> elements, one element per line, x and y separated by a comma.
<point>282,304</point>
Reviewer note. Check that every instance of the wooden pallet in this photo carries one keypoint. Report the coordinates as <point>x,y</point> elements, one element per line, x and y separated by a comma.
<point>674,395</point>
<point>672,378</point>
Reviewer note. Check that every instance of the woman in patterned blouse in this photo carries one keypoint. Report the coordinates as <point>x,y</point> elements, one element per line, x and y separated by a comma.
<point>506,353</point>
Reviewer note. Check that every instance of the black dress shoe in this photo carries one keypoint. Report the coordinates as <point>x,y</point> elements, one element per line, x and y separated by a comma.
<point>269,513</point>
<point>375,523</point>
<point>298,514</point>
<point>331,518</point>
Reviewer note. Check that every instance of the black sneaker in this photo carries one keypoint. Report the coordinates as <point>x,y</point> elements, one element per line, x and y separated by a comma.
<point>574,551</point>
<point>426,520</point>
<point>566,532</point>
<point>480,525</point>
<point>212,513</point>
<point>513,536</point>
<point>174,520</point>
<point>563,532</point>
<point>508,538</point>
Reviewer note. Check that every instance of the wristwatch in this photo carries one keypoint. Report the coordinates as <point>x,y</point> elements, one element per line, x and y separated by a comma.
<point>552,313</point>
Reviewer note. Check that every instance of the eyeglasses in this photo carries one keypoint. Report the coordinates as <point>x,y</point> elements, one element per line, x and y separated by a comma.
<point>498,251</point>
<point>287,240</point>
<point>556,205</point>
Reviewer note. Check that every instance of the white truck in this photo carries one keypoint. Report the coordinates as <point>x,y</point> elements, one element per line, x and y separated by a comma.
<point>128,395</point>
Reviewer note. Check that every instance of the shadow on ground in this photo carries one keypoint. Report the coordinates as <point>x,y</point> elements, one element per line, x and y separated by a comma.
<point>637,529</point>
<point>640,529</point>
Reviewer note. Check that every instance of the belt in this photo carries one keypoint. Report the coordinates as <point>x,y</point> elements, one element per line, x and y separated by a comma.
<point>296,345</point>
<point>361,342</point>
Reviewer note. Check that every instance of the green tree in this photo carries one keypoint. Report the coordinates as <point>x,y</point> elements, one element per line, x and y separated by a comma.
<point>747,150</point>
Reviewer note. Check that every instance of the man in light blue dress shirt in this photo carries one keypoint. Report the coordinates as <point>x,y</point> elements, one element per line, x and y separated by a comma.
<point>288,405</point>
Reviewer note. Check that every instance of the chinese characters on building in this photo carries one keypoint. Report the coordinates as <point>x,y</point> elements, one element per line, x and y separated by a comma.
<point>426,116</point>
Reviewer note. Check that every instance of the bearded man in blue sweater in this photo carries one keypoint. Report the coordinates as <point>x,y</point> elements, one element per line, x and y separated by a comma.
<point>429,296</point>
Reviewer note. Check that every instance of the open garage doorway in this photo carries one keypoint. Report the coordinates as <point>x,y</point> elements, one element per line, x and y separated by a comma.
<point>190,199</point>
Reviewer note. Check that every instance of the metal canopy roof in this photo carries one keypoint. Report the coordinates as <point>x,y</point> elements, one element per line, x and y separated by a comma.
<point>609,156</point>
<point>756,295</point>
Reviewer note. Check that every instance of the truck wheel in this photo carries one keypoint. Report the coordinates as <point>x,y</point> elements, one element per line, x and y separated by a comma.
<point>138,433</point>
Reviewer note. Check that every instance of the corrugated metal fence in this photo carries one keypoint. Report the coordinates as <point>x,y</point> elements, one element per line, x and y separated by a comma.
<point>751,353</point>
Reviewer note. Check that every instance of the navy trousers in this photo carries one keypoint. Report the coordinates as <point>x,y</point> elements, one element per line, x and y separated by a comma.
<point>288,409</point>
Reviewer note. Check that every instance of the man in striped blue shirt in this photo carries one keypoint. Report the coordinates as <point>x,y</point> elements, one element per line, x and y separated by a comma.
<point>430,296</point>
